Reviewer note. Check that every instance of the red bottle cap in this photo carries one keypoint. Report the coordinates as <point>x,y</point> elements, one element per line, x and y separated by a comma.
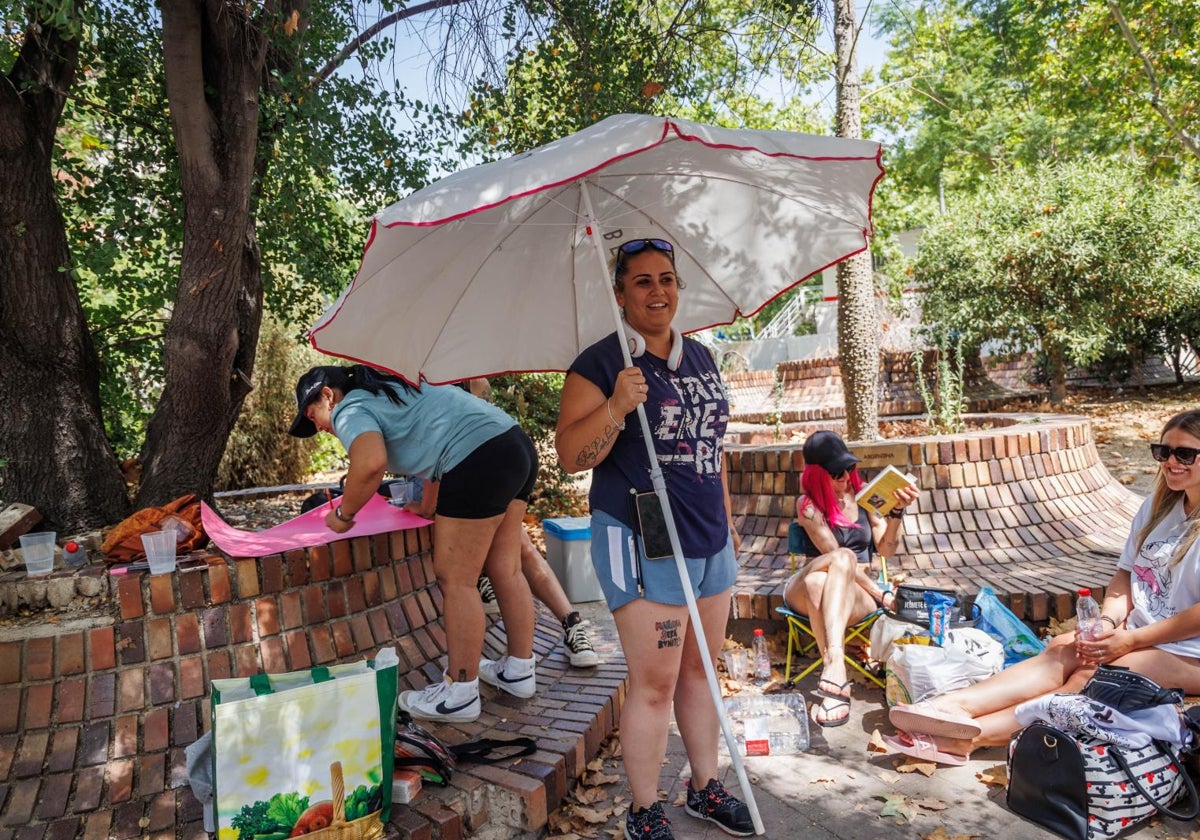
<point>72,546</point>
<point>1084,593</point>
<point>758,631</point>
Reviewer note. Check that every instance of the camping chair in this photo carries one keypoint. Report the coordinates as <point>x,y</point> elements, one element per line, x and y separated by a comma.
<point>801,639</point>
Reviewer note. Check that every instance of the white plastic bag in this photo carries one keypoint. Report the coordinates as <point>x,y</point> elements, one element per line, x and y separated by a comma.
<point>888,631</point>
<point>977,645</point>
<point>918,672</point>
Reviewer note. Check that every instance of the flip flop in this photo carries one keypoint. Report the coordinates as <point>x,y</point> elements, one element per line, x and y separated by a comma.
<point>926,718</point>
<point>836,703</point>
<point>832,695</point>
<point>921,747</point>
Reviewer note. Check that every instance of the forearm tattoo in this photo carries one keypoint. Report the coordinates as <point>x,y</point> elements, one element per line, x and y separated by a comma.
<point>592,453</point>
<point>668,633</point>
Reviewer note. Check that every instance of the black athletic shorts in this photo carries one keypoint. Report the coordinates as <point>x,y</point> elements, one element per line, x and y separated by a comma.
<point>498,471</point>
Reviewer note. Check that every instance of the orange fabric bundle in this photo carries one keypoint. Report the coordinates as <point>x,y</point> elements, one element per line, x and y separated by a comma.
<point>124,542</point>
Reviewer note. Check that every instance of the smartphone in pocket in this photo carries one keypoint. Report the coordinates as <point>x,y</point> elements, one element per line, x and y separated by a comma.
<point>652,523</point>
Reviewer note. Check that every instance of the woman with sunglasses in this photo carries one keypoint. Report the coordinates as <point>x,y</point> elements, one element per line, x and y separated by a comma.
<point>833,589</point>
<point>677,380</point>
<point>1150,621</point>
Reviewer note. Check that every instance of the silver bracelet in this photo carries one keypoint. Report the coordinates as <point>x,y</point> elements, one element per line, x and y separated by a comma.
<point>608,405</point>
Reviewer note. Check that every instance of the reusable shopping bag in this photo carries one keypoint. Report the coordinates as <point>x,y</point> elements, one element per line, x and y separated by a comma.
<point>305,753</point>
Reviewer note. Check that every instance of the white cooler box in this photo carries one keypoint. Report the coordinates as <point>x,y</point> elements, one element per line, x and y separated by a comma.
<point>569,553</point>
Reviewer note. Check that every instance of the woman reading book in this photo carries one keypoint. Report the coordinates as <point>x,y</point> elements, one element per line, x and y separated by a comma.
<point>833,588</point>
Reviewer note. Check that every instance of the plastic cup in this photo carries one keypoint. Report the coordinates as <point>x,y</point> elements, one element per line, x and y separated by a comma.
<point>160,551</point>
<point>401,492</point>
<point>737,663</point>
<point>38,551</point>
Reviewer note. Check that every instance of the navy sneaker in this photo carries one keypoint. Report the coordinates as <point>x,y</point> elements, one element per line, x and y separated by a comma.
<point>715,804</point>
<point>648,824</point>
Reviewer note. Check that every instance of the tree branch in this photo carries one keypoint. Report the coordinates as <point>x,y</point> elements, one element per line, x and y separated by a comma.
<point>1156,90</point>
<point>373,30</point>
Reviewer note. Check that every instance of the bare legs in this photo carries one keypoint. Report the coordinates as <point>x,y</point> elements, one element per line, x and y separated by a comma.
<point>832,591</point>
<point>461,549</point>
<point>542,581</point>
<point>664,667</point>
<point>1057,669</point>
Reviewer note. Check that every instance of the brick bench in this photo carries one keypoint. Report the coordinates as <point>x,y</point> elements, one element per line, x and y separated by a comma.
<point>99,698</point>
<point>1024,506</point>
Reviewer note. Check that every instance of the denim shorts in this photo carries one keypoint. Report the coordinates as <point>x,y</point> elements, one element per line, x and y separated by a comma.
<point>619,573</point>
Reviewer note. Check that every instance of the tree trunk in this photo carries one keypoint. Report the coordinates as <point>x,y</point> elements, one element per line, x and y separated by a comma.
<point>1056,372</point>
<point>53,451</point>
<point>858,321</point>
<point>215,54</point>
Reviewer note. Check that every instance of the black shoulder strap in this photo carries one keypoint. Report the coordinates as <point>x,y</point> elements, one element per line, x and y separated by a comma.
<point>480,751</point>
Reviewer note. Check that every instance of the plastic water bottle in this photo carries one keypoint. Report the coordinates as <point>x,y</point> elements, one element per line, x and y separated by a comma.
<point>74,555</point>
<point>762,660</point>
<point>1087,616</point>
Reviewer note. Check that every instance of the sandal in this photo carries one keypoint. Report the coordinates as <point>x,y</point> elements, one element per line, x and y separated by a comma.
<point>827,707</point>
<point>839,692</point>
<point>883,604</point>
<point>922,747</point>
<point>931,720</point>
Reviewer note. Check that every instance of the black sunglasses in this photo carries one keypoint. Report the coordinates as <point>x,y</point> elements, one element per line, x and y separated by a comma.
<point>636,246</point>
<point>1185,455</point>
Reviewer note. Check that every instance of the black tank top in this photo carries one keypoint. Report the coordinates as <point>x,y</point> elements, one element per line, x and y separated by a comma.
<point>857,539</point>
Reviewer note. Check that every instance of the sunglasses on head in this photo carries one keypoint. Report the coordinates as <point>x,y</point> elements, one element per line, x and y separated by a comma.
<point>1185,455</point>
<point>636,246</point>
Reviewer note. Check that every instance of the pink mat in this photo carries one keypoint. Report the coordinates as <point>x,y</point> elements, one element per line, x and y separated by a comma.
<point>306,530</point>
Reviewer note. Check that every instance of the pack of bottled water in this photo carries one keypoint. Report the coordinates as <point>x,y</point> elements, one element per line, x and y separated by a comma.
<point>768,724</point>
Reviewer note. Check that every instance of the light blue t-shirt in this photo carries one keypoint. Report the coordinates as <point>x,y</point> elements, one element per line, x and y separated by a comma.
<point>429,434</point>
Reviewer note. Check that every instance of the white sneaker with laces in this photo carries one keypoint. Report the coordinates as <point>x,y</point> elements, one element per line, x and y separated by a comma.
<point>579,647</point>
<point>448,701</point>
<point>516,676</point>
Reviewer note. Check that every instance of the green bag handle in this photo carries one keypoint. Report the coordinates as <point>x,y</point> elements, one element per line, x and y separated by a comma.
<point>261,683</point>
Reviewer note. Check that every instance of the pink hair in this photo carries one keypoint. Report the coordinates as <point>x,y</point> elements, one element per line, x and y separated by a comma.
<point>817,484</point>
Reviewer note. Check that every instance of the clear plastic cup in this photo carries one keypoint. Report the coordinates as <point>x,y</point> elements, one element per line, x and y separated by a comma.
<point>737,663</point>
<point>160,551</point>
<point>402,492</point>
<point>38,551</point>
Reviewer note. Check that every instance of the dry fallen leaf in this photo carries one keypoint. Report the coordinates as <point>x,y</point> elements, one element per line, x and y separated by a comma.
<point>876,743</point>
<point>589,795</point>
<point>593,779</point>
<point>908,765</point>
<point>997,776</point>
<point>939,833</point>
<point>930,804</point>
<point>887,776</point>
<point>558,821</point>
<point>596,764</point>
<point>681,799</point>
<point>822,780</point>
<point>591,815</point>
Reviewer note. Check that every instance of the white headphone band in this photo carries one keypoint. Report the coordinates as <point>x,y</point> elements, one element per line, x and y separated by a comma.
<point>637,346</point>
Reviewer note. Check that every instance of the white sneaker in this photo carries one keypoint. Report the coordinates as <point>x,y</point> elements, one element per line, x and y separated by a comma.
<point>452,702</point>
<point>579,647</point>
<point>488,595</point>
<point>516,676</point>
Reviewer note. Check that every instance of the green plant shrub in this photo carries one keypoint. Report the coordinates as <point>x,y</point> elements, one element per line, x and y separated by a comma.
<point>260,452</point>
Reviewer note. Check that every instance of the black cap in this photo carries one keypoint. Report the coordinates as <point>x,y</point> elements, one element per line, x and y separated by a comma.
<point>307,389</point>
<point>826,449</point>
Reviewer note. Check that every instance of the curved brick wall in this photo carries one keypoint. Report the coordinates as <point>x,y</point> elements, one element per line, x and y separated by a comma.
<point>811,389</point>
<point>1026,508</point>
<point>95,711</point>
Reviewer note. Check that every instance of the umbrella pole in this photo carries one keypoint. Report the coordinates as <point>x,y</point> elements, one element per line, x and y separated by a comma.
<point>660,488</point>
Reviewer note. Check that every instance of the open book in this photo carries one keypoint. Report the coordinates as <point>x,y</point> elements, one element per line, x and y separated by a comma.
<point>878,496</point>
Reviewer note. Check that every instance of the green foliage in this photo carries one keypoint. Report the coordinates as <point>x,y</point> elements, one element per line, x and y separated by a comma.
<point>260,452</point>
<point>942,387</point>
<point>1067,258</point>
<point>329,153</point>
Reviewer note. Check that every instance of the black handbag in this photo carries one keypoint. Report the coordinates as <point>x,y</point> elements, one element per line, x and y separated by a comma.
<point>1083,788</point>
<point>1128,691</point>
